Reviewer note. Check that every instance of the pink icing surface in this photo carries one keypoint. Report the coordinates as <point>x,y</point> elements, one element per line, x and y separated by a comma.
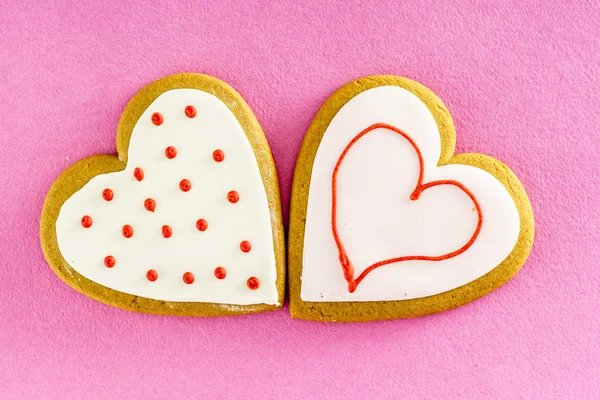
<point>521,80</point>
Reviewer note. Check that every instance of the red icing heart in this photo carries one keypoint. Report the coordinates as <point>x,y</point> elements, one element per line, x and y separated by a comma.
<point>343,257</point>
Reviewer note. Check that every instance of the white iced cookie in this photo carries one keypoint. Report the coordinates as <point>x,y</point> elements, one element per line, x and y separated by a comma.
<point>187,220</point>
<point>384,222</point>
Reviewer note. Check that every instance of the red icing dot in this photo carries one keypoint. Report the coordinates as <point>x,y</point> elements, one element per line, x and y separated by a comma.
<point>233,196</point>
<point>138,174</point>
<point>245,246</point>
<point>150,204</point>
<point>167,231</point>
<point>109,261</point>
<point>107,194</point>
<point>190,111</point>
<point>157,119</point>
<point>253,283</point>
<point>220,273</point>
<point>127,231</point>
<point>86,221</point>
<point>218,155</point>
<point>152,275</point>
<point>201,225</point>
<point>170,152</point>
<point>188,278</point>
<point>185,185</point>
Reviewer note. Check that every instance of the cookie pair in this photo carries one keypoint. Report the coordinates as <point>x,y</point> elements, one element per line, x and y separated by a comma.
<point>385,221</point>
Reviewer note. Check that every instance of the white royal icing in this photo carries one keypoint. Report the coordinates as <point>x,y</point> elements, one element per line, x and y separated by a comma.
<point>188,249</point>
<point>377,220</point>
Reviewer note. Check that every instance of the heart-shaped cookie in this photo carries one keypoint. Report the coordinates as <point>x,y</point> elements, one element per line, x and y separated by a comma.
<point>386,222</point>
<point>186,220</point>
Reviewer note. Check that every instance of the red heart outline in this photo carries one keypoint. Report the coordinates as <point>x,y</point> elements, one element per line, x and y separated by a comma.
<point>347,267</point>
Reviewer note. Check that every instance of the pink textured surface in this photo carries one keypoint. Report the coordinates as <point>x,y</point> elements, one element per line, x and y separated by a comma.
<point>521,80</point>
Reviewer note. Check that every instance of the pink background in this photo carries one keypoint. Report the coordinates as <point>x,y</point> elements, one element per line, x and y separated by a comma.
<point>521,80</point>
